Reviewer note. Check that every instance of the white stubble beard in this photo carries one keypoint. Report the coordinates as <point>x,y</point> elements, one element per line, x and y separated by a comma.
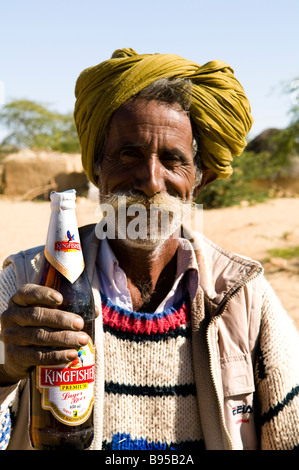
<point>156,209</point>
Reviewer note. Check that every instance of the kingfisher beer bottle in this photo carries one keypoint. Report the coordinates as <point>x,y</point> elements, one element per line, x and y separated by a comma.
<point>62,396</point>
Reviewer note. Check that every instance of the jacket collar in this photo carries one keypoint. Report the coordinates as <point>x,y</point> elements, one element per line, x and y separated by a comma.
<point>222,272</point>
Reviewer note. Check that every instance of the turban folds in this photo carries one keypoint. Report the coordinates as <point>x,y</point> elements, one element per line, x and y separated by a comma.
<point>219,110</point>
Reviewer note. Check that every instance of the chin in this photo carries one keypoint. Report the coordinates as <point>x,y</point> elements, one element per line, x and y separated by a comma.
<point>148,244</point>
<point>153,241</point>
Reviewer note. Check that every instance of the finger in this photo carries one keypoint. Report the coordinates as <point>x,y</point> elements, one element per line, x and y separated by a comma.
<point>40,316</point>
<point>44,337</point>
<point>24,358</point>
<point>32,294</point>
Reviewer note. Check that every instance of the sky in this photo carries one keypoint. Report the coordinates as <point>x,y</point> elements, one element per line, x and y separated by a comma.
<point>45,44</point>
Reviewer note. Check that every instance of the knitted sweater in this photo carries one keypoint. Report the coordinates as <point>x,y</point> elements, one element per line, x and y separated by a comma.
<point>244,346</point>
<point>149,382</point>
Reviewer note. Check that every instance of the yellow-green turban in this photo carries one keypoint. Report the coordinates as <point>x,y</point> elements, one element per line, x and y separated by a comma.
<point>219,109</point>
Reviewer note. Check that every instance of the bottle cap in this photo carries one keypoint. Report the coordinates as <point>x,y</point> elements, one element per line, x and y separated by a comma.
<point>63,200</point>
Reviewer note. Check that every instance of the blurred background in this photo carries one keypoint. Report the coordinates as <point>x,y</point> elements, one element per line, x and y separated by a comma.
<point>45,46</point>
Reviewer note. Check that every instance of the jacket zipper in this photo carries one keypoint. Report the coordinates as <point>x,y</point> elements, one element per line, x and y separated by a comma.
<point>214,319</point>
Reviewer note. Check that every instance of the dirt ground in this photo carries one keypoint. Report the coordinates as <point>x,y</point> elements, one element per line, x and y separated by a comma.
<point>247,230</point>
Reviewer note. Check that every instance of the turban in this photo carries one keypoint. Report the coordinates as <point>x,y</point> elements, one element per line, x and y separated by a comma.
<point>219,109</point>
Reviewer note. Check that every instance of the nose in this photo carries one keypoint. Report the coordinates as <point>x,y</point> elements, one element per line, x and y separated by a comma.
<point>150,177</point>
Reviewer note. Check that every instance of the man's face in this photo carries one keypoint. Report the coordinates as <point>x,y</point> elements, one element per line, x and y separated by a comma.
<point>149,149</point>
<point>148,153</point>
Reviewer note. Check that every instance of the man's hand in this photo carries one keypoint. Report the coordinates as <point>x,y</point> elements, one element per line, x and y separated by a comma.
<point>35,332</point>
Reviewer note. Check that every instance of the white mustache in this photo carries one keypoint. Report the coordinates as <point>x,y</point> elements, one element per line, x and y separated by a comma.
<point>158,217</point>
<point>165,202</point>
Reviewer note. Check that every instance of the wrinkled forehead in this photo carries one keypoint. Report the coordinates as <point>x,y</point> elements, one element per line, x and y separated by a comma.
<point>151,118</point>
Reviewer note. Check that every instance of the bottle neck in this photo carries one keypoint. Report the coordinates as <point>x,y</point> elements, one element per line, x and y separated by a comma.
<point>63,247</point>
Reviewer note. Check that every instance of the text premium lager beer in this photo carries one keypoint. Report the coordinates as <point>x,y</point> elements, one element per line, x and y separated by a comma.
<point>62,396</point>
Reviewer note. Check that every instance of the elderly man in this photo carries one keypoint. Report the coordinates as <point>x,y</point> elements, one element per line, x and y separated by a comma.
<point>193,348</point>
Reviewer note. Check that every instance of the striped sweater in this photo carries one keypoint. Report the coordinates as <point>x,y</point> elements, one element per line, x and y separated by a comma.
<point>150,396</point>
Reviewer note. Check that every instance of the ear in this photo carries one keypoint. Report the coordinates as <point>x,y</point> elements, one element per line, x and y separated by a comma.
<point>208,176</point>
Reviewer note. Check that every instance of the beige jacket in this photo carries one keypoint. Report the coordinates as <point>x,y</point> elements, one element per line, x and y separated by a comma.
<point>244,352</point>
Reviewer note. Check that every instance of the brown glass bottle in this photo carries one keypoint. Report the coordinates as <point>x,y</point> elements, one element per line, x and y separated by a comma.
<point>47,430</point>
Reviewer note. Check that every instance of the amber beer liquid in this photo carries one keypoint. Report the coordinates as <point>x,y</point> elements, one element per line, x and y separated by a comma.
<point>62,396</point>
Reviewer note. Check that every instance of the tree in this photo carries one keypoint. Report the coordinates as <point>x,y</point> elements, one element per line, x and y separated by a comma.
<point>287,141</point>
<point>33,125</point>
<point>240,186</point>
<point>265,164</point>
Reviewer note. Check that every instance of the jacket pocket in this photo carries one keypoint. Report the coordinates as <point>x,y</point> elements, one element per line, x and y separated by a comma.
<point>238,389</point>
<point>237,375</point>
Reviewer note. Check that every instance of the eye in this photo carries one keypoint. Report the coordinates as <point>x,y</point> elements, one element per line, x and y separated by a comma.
<point>129,154</point>
<point>172,159</point>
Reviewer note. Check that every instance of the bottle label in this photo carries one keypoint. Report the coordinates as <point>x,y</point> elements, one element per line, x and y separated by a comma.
<point>68,391</point>
<point>65,254</point>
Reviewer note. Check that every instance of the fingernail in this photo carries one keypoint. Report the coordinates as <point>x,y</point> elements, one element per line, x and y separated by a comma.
<point>72,354</point>
<point>83,339</point>
<point>57,297</point>
<point>78,323</point>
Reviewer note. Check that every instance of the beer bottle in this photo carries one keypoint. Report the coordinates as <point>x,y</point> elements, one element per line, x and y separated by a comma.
<point>62,396</point>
